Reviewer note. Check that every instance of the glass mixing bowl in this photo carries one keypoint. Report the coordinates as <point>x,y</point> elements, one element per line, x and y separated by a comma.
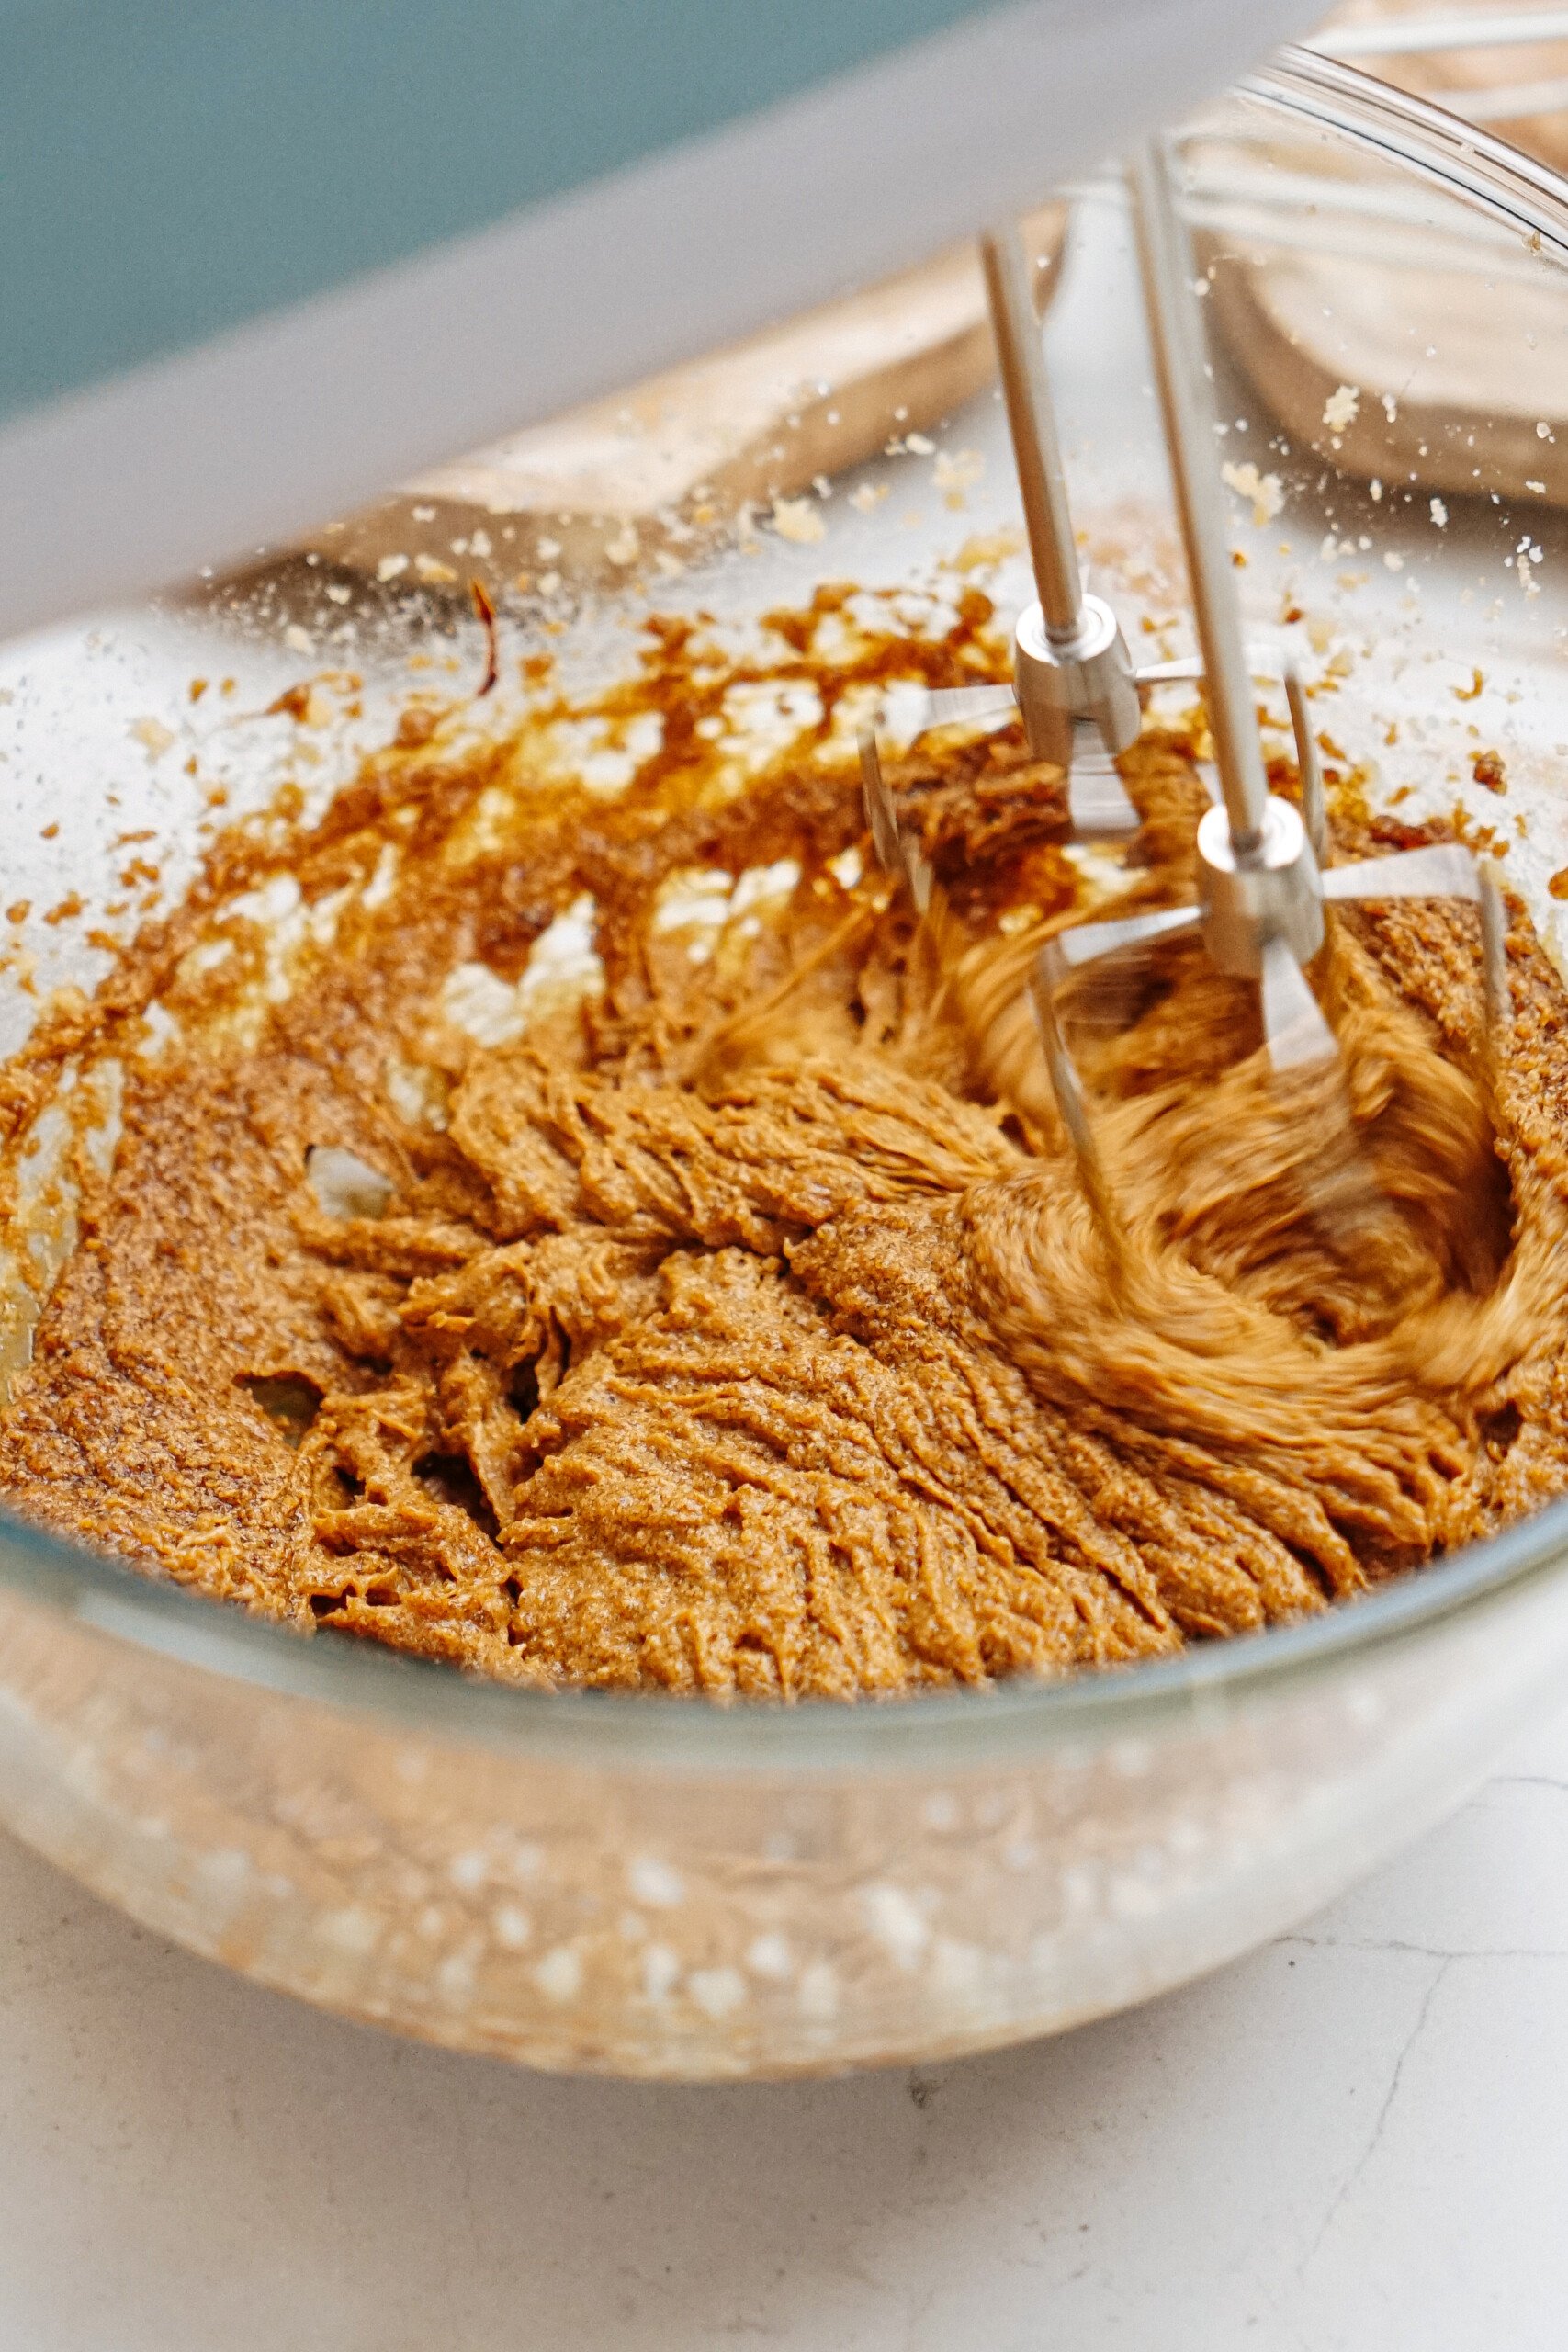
<point>659,1887</point>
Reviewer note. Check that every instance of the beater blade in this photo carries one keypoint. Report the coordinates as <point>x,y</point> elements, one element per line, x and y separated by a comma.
<point>1265,884</point>
<point>1263,893</point>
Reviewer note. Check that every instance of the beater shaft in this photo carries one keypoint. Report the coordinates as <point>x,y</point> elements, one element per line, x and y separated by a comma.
<point>1031,422</point>
<point>1181,374</point>
<point>1072,673</point>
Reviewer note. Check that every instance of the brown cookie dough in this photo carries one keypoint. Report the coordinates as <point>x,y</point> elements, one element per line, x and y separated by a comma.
<point>738,1326</point>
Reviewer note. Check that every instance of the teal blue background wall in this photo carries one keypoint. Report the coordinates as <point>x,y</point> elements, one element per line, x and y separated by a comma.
<point>170,167</point>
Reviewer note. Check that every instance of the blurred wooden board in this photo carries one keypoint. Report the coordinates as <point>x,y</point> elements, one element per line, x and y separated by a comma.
<point>1479,402</point>
<point>604,492</point>
<point>1459,74</point>
<point>1466,421</point>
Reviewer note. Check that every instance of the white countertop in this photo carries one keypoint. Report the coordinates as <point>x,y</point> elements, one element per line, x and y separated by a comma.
<point>1358,2137</point>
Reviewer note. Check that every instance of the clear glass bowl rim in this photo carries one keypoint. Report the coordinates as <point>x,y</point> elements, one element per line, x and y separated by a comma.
<point>1011,1721</point>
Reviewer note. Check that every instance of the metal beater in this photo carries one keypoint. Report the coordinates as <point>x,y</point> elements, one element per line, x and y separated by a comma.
<point>1264,883</point>
<point>1074,684</point>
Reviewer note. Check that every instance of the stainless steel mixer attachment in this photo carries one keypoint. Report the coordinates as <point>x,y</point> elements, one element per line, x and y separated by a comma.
<point>1074,684</point>
<point>1073,680</point>
<point>1264,884</point>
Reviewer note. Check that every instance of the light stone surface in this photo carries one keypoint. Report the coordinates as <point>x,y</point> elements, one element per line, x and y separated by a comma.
<point>1358,2137</point>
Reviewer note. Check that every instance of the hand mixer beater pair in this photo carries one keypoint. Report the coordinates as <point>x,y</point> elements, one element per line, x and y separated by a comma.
<point>1264,879</point>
